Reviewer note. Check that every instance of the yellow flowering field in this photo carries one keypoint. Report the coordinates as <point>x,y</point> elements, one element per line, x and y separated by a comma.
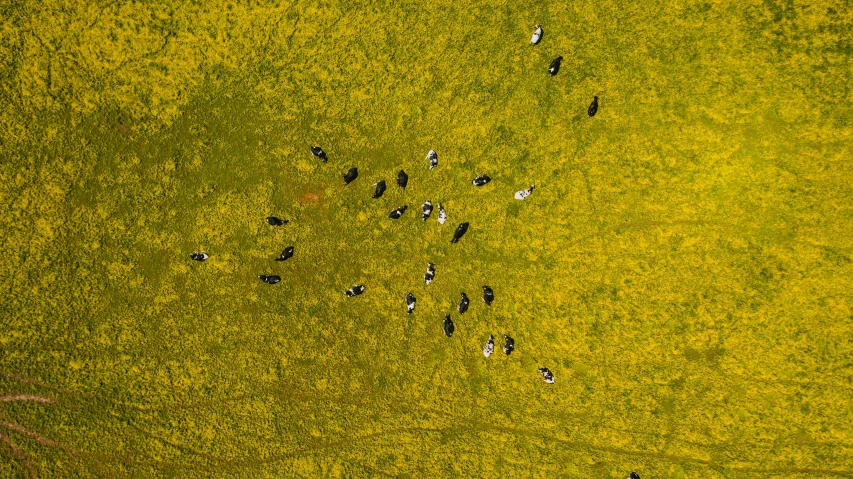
<point>683,266</point>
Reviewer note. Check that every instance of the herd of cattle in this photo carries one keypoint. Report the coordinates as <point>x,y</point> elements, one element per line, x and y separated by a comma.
<point>427,208</point>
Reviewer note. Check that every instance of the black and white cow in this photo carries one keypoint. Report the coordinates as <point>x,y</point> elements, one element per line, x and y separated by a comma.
<point>448,326</point>
<point>397,213</point>
<point>319,153</point>
<point>547,375</point>
<point>490,346</point>
<point>286,254</point>
<point>427,208</point>
<point>509,345</point>
<point>430,274</point>
<point>410,302</point>
<point>432,157</point>
<point>463,303</point>
<point>481,180</point>
<point>355,290</point>
<point>555,66</point>
<point>488,295</point>
<point>522,194</point>
<point>537,35</point>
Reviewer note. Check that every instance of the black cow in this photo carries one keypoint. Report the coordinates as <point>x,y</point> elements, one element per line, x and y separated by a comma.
<point>274,221</point>
<point>460,232</point>
<point>380,189</point>
<point>350,175</point>
<point>448,326</point>
<point>593,107</point>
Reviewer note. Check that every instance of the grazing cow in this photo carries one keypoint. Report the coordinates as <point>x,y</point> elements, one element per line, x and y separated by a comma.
<point>509,345</point>
<point>481,180</point>
<point>522,194</point>
<point>460,232</point>
<point>547,375</point>
<point>442,215</point>
<point>410,302</point>
<point>319,153</point>
<point>270,278</point>
<point>537,35</point>
<point>488,295</point>
<point>430,274</point>
<point>274,221</point>
<point>350,175</point>
<point>380,189</point>
<point>633,475</point>
<point>593,107</point>
<point>355,290</point>
<point>199,256</point>
<point>490,346</point>
<point>448,326</point>
<point>396,214</point>
<point>286,254</point>
<point>463,303</point>
<point>427,207</point>
<point>402,179</point>
<point>555,66</point>
<point>433,159</point>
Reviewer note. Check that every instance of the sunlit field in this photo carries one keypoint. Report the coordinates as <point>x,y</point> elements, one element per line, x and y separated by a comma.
<point>683,266</point>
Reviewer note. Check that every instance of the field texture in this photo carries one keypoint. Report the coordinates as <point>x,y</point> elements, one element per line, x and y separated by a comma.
<point>683,266</point>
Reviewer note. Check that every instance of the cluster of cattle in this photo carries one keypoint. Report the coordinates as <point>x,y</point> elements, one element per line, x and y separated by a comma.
<point>427,209</point>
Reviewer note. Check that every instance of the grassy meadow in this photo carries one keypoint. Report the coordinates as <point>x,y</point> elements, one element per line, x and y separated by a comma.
<point>683,266</point>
